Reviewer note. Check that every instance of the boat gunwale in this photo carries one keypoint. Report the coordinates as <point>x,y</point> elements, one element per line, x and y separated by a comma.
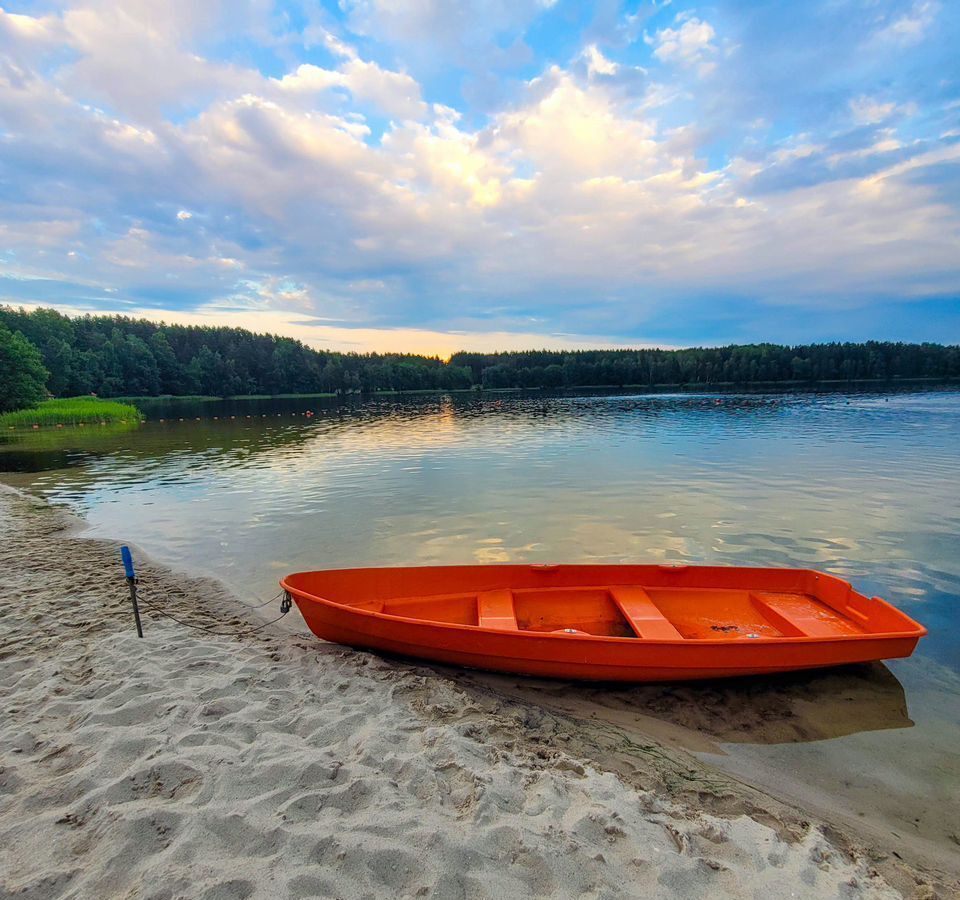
<point>918,631</point>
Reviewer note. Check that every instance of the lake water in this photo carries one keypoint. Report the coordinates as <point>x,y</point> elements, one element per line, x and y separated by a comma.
<point>866,486</point>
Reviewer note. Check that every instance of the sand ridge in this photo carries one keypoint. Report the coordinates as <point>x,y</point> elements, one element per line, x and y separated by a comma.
<point>275,765</point>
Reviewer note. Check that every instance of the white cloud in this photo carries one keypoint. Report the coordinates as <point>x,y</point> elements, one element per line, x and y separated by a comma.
<point>25,31</point>
<point>597,63</point>
<point>912,27</point>
<point>689,45</point>
<point>308,78</point>
<point>395,93</point>
<point>445,162</point>
<point>870,111</point>
<point>137,57</point>
<point>567,129</point>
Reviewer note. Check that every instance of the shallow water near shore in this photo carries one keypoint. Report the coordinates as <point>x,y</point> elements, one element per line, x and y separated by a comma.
<point>866,486</point>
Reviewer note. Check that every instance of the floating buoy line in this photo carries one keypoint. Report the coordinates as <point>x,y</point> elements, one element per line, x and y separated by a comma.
<point>308,414</point>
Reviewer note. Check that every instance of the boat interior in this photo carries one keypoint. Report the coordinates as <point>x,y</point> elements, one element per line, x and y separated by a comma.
<point>794,607</point>
<point>635,612</point>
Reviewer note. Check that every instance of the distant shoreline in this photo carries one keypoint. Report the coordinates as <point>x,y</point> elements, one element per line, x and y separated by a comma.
<point>692,387</point>
<point>116,356</point>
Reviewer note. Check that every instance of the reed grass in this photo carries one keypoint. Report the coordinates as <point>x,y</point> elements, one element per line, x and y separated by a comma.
<point>71,411</point>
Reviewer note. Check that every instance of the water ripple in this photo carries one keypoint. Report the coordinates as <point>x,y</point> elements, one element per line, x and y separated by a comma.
<point>864,486</point>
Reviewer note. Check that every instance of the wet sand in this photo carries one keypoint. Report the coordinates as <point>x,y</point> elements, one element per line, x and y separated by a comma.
<point>194,765</point>
<point>901,793</point>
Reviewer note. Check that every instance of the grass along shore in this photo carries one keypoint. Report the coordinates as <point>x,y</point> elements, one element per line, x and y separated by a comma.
<point>72,411</point>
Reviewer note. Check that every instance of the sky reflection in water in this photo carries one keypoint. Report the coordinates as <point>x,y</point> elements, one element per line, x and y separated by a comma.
<point>864,486</point>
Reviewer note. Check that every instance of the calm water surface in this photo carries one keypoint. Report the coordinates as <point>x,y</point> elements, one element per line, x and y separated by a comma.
<point>865,486</point>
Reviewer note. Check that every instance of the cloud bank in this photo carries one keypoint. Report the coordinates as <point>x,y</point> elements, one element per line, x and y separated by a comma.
<point>474,173</point>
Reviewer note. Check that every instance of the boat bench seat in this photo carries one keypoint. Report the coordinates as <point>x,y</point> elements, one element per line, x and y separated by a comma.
<point>792,620</point>
<point>643,615</point>
<point>495,610</point>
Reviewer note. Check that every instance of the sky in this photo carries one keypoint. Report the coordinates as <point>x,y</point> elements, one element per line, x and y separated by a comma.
<point>434,175</point>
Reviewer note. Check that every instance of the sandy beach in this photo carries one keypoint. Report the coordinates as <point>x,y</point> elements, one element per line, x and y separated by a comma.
<point>189,764</point>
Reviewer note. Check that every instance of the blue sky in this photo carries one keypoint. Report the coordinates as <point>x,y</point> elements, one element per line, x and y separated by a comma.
<point>427,175</point>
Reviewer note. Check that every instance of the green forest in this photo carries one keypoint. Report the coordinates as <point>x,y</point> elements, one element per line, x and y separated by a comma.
<point>45,353</point>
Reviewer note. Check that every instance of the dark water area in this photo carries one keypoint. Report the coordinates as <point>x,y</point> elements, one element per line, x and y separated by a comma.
<point>865,485</point>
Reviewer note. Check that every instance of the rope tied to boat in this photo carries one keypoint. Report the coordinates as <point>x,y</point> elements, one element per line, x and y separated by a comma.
<point>218,630</point>
<point>153,603</point>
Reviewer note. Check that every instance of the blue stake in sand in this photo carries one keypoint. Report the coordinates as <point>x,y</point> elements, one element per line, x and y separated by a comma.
<point>127,558</point>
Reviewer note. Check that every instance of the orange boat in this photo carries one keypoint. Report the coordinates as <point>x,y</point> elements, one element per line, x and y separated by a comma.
<point>606,623</point>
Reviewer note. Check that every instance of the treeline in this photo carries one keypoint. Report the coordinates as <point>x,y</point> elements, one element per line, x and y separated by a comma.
<point>114,356</point>
<point>119,356</point>
<point>737,364</point>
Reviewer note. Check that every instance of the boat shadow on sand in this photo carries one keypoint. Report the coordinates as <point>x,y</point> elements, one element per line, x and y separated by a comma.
<point>790,708</point>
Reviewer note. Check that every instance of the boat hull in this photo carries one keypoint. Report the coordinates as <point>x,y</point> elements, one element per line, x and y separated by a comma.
<point>633,623</point>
